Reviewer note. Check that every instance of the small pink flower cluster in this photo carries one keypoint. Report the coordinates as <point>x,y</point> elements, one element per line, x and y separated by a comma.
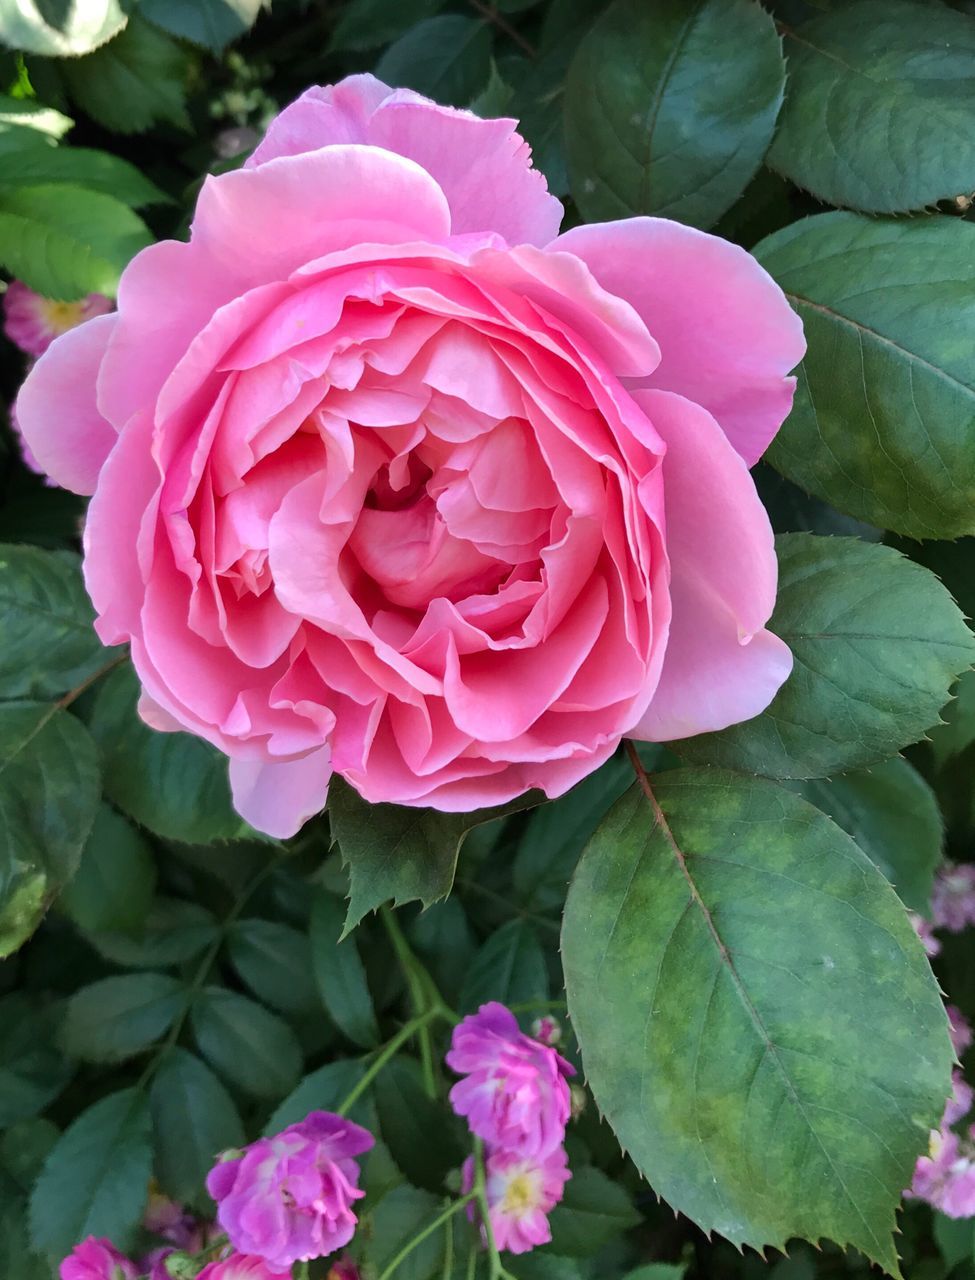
<point>945,1177</point>
<point>515,1096</point>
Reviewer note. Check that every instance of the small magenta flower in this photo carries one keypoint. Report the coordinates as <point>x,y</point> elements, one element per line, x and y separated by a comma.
<point>960,1102</point>
<point>97,1259</point>
<point>945,1178</point>
<point>289,1198</point>
<point>923,929</point>
<point>240,1266</point>
<point>32,321</point>
<point>521,1193</point>
<point>953,897</point>
<point>515,1096</point>
<point>959,1028</point>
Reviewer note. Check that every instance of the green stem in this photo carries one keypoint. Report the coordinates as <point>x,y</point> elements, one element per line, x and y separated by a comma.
<point>448,1251</point>
<point>498,1271</point>
<point>532,1006</point>
<point>422,994</point>
<point>389,1049</point>
<point>427,1231</point>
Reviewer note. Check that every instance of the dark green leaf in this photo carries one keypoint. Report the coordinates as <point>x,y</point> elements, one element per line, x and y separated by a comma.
<point>24,1148</point>
<point>194,1118</point>
<point>728,953</point>
<point>880,114</point>
<point>882,423</point>
<point>173,783</point>
<point>408,1117</point>
<point>276,963</point>
<point>325,1090</point>
<point>401,854</point>
<point>661,1271</point>
<point>211,23</point>
<point>174,931</point>
<point>509,967</point>
<point>33,1070</point>
<point>892,814</point>
<point>95,1180</point>
<point>443,939</point>
<point>399,1216</point>
<point>955,1239</point>
<point>48,798</point>
<point>253,1049</point>
<point>113,887</point>
<point>118,1017</point>
<point>134,81</point>
<point>670,107</point>
<point>47,641</point>
<point>17,1261</point>
<point>958,731</point>
<point>339,973</point>
<point>877,643</point>
<point>368,24</point>
<point>592,1212</point>
<point>58,28</point>
<point>30,165</point>
<point>447,58</point>
<point>22,116</point>
<point>65,241</point>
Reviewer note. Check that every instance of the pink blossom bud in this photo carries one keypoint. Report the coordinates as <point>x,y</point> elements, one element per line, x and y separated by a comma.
<point>548,1030</point>
<point>97,1259</point>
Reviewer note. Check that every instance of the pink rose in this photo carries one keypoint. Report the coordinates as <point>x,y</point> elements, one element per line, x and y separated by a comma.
<point>240,1266</point>
<point>289,1198</point>
<point>97,1259</point>
<point>391,479</point>
<point>521,1192</point>
<point>515,1095</point>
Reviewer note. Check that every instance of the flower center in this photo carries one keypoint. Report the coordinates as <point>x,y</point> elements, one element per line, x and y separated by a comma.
<point>521,1195</point>
<point>62,316</point>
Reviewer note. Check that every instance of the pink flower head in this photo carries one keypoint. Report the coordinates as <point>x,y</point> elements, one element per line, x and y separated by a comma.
<point>391,479</point>
<point>960,1102</point>
<point>922,928</point>
<point>960,1029</point>
<point>289,1198</point>
<point>32,321</point>
<point>153,1264</point>
<point>520,1194</point>
<point>240,1266</point>
<point>343,1268</point>
<point>97,1259</point>
<point>515,1095</point>
<point>953,897</point>
<point>945,1178</point>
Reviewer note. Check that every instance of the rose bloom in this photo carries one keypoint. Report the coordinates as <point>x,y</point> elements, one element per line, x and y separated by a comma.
<point>515,1095</point>
<point>97,1259</point>
<point>240,1266</point>
<point>289,1198</point>
<point>32,322</point>
<point>521,1192</point>
<point>390,479</point>
<point>945,1178</point>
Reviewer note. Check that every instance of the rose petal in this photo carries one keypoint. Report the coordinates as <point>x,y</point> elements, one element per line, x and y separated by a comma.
<point>278,797</point>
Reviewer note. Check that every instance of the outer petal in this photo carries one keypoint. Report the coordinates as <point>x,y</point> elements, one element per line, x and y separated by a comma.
<point>500,192</point>
<point>721,665</point>
<point>727,335</point>
<point>278,798</point>
<point>56,409</point>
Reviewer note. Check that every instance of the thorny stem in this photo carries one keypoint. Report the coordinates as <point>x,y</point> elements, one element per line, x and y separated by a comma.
<point>428,1230</point>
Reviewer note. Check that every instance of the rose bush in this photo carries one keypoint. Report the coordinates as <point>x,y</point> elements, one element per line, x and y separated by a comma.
<point>392,479</point>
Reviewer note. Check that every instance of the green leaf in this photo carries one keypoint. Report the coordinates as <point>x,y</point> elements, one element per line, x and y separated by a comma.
<point>172,783</point>
<point>339,973</point>
<point>248,1046</point>
<point>880,113</point>
<point>447,58</point>
<point>133,82</point>
<point>118,1017</point>
<point>47,640</point>
<point>877,643</point>
<point>407,1118</point>
<point>23,118</point>
<point>443,939</point>
<point>59,28</point>
<point>65,241</point>
<point>325,1090</point>
<point>174,931</point>
<point>210,23</point>
<point>25,1146</point>
<point>113,887</point>
<point>16,1259</point>
<point>194,1118</point>
<point>398,853</point>
<point>509,967</point>
<point>658,1271</point>
<point>33,1071</point>
<point>958,730</point>
<point>893,815</point>
<point>48,797</point>
<point>399,1216</point>
<point>882,423</point>
<point>593,1211</point>
<point>368,24</point>
<point>670,107</point>
<point>29,164</point>
<point>728,953</point>
<point>95,1181</point>
<point>275,961</point>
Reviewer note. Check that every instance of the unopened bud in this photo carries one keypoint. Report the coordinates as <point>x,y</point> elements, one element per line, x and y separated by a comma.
<point>181,1266</point>
<point>577,1100</point>
<point>547,1030</point>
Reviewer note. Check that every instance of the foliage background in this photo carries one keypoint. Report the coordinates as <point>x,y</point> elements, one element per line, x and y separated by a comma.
<point>175,983</point>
